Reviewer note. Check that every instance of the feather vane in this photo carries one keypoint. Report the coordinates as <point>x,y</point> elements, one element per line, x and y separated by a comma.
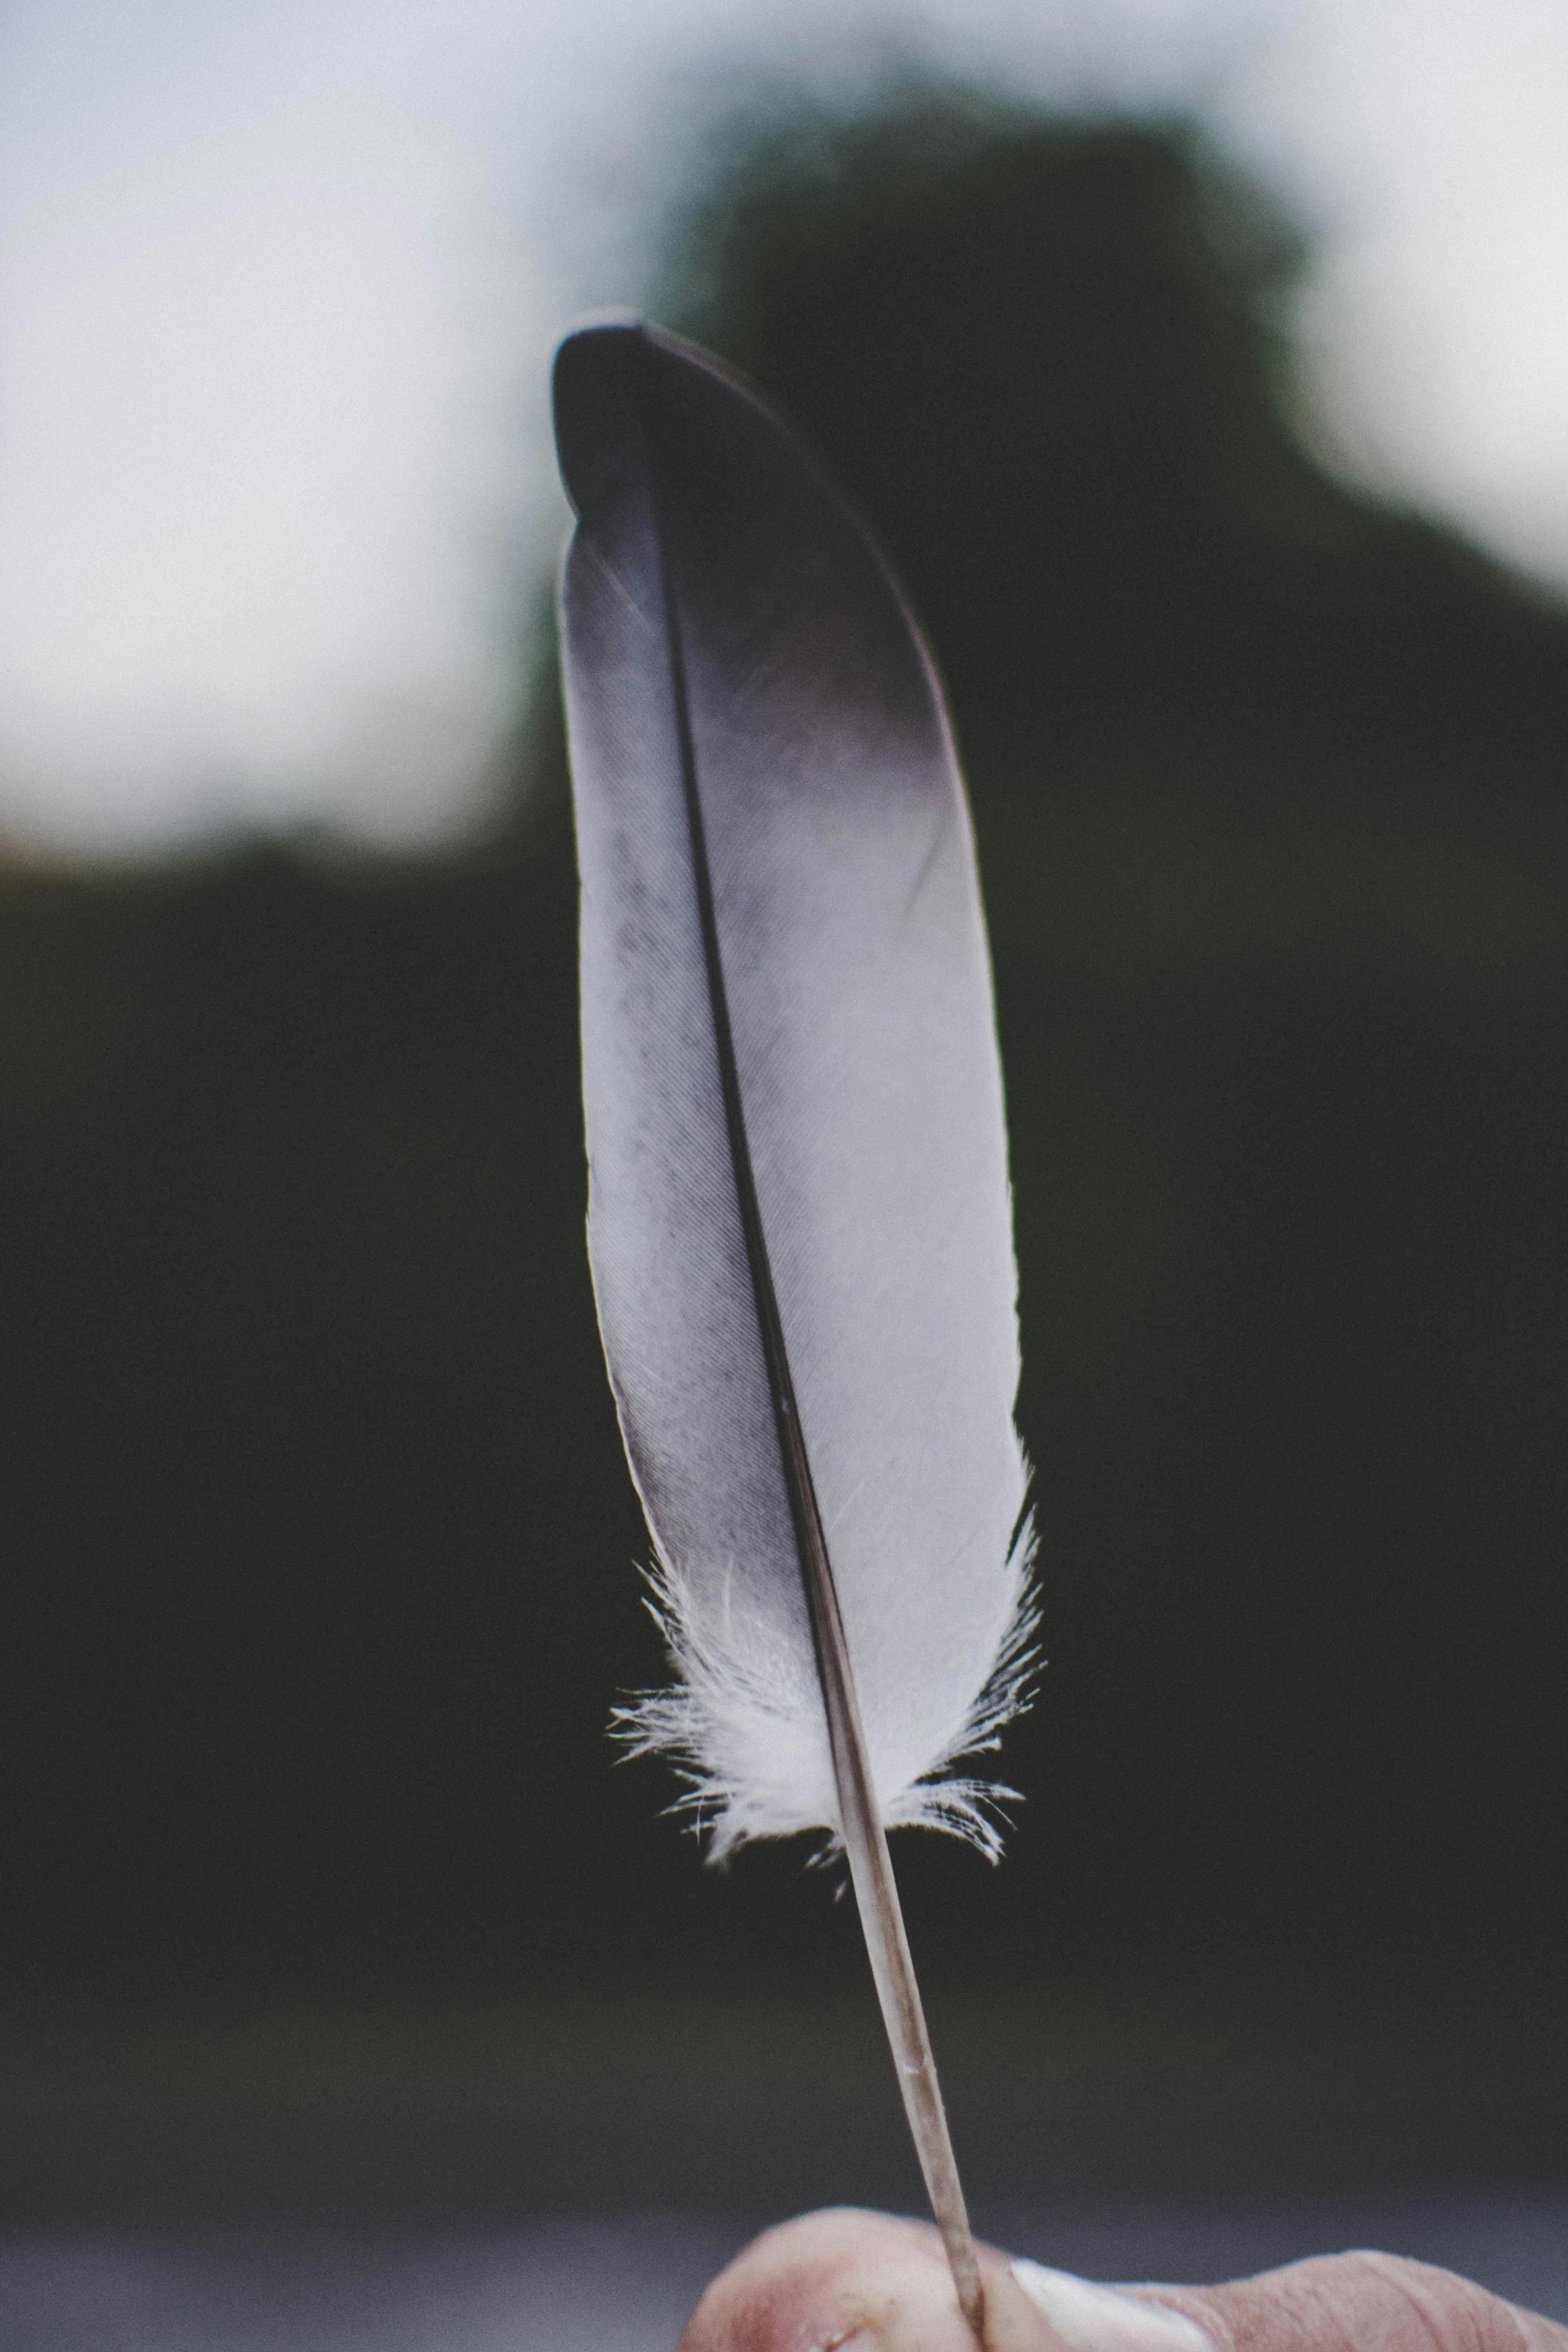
<point>713,568</point>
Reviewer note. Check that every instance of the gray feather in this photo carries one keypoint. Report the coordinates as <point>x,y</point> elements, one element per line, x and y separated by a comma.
<point>713,568</point>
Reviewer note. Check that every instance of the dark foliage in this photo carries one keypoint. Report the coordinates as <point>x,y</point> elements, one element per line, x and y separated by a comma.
<point>317,1532</point>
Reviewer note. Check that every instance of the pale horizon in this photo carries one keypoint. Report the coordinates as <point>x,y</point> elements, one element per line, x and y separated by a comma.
<point>278,291</point>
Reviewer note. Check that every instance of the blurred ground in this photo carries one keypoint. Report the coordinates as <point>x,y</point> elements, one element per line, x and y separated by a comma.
<point>762,2105</point>
<point>569,2173</point>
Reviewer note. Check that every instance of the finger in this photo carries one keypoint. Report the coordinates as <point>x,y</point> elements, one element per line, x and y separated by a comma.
<point>835,2279</point>
<point>868,2282</point>
<point>1338,2303</point>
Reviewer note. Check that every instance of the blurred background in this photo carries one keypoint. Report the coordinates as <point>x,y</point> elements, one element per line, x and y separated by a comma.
<point>1204,367</point>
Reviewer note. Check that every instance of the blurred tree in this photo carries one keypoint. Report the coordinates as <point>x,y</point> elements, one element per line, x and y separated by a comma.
<point>316,1522</point>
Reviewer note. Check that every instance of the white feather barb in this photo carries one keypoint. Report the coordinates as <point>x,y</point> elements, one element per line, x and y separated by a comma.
<point>746,1756</point>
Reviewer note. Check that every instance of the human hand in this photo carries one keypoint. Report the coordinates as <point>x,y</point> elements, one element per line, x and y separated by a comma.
<point>851,2282</point>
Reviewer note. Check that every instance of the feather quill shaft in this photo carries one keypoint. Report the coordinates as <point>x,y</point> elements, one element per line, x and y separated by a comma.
<point>859,1822</point>
<point>799,1222</point>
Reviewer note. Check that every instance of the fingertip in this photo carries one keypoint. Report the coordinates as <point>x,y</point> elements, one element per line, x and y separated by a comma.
<point>846,2281</point>
<point>811,2284</point>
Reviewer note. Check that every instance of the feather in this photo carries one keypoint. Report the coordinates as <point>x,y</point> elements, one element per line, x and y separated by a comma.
<point>799,1217</point>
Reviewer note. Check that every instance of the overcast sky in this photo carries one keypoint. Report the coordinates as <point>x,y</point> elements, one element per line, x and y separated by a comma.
<point>279,285</point>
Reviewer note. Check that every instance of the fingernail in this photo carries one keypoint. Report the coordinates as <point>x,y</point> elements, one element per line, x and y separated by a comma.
<point>1090,2318</point>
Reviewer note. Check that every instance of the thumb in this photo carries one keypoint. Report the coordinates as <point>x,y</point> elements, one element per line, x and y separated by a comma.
<point>851,2282</point>
<point>1336,2302</point>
